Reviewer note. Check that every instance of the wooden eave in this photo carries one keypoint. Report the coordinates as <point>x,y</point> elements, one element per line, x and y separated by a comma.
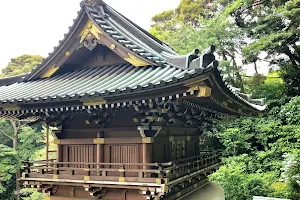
<point>12,79</point>
<point>221,100</point>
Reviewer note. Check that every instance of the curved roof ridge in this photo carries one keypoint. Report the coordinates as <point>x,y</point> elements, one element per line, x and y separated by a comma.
<point>12,79</point>
<point>61,43</point>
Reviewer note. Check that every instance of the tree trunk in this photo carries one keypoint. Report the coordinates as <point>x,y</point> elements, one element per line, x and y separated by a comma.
<point>16,127</point>
<point>294,59</point>
<point>15,143</point>
<point>255,68</point>
<point>238,76</point>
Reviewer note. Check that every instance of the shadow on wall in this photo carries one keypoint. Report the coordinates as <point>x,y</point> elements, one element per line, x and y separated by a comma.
<point>210,191</point>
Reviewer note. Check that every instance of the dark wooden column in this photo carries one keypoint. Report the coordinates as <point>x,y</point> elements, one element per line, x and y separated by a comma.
<point>59,148</point>
<point>147,151</point>
<point>147,146</point>
<point>59,154</point>
<point>99,141</point>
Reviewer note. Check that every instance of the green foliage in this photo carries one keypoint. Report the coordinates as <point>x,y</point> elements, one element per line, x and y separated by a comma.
<point>270,87</point>
<point>253,153</point>
<point>291,172</point>
<point>182,30</point>
<point>31,194</point>
<point>9,163</point>
<point>5,128</point>
<point>190,11</point>
<point>239,184</point>
<point>238,27</point>
<point>235,143</point>
<point>252,147</point>
<point>30,142</point>
<point>273,27</point>
<point>22,64</point>
<point>290,112</point>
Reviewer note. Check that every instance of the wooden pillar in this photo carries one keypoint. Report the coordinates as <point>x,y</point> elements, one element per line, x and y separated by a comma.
<point>59,153</point>
<point>47,147</point>
<point>59,150</point>
<point>100,152</point>
<point>147,154</point>
<point>147,157</point>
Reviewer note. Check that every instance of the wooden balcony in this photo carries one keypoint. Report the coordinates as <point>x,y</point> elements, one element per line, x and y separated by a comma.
<point>162,178</point>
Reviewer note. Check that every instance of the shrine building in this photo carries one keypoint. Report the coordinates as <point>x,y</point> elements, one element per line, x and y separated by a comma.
<point>125,110</point>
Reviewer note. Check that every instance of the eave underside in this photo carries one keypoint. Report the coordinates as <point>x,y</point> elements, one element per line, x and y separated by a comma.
<point>187,89</point>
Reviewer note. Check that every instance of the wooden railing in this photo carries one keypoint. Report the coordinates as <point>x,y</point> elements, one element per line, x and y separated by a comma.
<point>109,173</point>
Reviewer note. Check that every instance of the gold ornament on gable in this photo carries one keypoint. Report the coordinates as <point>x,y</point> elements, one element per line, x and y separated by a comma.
<point>135,61</point>
<point>50,71</point>
<point>88,31</point>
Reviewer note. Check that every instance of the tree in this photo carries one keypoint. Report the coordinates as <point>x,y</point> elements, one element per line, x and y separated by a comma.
<point>23,139</point>
<point>179,28</point>
<point>12,131</point>
<point>22,64</point>
<point>190,11</point>
<point>238,184</point>
<point>273,27</point>
<point>253,153</point>
<point>30,141</point>
<point>9,163</point>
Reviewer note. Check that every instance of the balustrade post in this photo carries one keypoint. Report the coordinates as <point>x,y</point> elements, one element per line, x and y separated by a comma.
<point>27,167</point>
<point>122,171</point>
<point>160,172</point>
<point>87,170</point>
<point>100,152</point>
<point>55,171</point>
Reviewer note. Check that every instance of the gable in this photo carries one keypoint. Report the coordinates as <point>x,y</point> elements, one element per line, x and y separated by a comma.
<point>90,30</point>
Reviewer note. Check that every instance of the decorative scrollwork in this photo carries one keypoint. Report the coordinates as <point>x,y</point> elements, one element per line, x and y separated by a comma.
<point>90,42</point>
<point>89,36</point>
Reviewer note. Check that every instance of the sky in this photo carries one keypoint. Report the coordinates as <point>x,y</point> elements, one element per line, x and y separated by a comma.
<point>36,26</point>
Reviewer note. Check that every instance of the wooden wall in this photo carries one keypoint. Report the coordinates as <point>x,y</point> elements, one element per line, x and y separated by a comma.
<point>172,142</point>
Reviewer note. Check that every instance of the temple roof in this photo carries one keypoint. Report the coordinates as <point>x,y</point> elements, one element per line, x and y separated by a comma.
<point>12,79</point>
<point>108,79</point>
<point>134,65</point>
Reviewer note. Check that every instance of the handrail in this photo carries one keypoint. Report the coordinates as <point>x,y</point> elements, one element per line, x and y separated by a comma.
<point>162,173</point>
<point>95,169</point>
<point>207,153</point>
<point>115,164</point>
<point>166,164</point>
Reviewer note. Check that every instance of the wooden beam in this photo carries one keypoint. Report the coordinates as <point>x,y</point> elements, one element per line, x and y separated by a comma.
<point>86,141</point>
<point>133,128</point>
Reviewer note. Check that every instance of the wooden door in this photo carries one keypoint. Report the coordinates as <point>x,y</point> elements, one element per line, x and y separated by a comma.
<point>80,153</point>
<point>124,154</point>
